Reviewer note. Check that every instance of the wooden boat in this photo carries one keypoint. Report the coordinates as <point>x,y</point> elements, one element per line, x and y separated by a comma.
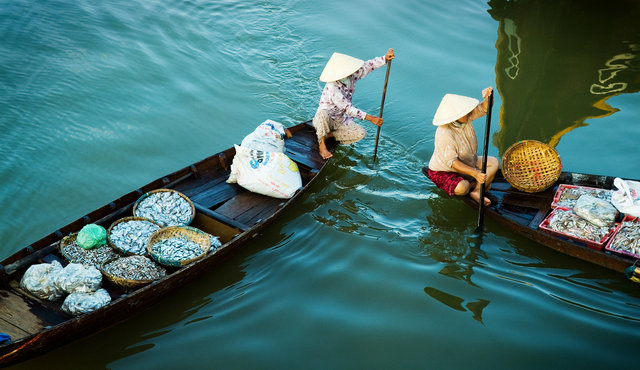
<point>225,210</point>
<point>524,212</point>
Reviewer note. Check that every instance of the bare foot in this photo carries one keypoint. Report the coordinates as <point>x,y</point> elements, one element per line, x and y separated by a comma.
<point>475,196</point>
<point>325,153</point>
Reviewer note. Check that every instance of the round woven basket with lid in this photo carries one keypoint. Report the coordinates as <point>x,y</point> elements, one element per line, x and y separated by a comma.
<point>531,166</point>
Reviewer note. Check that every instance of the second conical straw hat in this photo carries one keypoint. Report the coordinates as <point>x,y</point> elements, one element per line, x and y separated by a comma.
<point>453,107</point>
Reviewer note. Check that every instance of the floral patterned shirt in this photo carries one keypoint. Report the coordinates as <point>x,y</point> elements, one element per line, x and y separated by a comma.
<point>336,96</point>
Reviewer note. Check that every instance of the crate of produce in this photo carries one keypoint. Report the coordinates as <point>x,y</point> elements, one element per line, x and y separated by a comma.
<point>565,223</point>
<point>625,239</point>
<point>567,195</point>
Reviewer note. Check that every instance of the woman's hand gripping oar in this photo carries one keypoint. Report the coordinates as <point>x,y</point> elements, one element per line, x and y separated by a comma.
<point>389,57</point>
<point>484,164</point>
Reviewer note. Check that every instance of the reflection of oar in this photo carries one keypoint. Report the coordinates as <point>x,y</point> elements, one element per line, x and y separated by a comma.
<point>484,163</point>
<point>384,93</point>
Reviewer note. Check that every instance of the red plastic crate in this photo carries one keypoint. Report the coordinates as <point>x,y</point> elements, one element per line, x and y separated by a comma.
<point>563,187</point>
<point>615,232</point>
<point>544,225</point>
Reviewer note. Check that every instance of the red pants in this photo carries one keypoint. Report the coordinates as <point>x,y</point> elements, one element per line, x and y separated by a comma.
<point>446,181</point>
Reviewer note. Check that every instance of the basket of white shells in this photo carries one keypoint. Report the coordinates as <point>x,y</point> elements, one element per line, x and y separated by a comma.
<point>132,271</point>
<point>129,235</point>
<point>177,246</point>
<point>167,207</point>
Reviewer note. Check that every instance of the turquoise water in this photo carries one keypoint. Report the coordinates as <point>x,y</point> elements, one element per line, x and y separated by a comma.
<point>374,267</point>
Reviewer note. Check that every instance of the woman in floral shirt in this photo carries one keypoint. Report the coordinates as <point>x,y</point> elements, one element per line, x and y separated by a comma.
<point>334,117</point>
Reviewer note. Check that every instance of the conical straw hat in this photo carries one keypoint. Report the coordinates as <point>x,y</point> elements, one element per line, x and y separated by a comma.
<point>453,107</point>
<point>340,66</point>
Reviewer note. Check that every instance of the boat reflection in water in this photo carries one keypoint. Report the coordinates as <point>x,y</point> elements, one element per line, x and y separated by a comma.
<point>559,62</point>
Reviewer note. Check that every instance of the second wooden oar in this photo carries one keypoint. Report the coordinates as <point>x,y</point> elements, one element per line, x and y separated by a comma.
<point>484,163</point>
<point>384,93</point>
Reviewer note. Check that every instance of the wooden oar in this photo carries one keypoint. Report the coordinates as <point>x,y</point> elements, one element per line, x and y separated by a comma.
<point>484,163</point>
<point>384,93</point>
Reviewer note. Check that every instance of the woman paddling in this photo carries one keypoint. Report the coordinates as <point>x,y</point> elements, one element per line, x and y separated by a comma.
<point>455,166</point>
<point>335,114</point>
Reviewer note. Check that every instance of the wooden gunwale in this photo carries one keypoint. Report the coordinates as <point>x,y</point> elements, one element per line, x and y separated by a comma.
<point>46,327</point>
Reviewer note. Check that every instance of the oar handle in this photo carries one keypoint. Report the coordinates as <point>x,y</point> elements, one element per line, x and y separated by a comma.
<point>384,94</point>
<point>484,161</point>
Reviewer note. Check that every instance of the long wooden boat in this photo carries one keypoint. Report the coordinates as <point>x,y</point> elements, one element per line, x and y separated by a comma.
<point>524,212</point>
<point>225,210</point>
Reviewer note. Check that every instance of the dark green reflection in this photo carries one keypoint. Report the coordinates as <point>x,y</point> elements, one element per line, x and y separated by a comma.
<point>558,63</point>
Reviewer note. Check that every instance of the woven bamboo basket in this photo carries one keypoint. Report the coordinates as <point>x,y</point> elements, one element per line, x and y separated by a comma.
<point>125,219</point>
<point>70,239</point>
<point>124,282</point>
<point>193,208</point>
<point>195,235</point>
<point>531,166</point>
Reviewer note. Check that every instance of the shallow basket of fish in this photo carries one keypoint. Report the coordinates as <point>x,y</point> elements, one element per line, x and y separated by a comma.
<point>167,207</point>
<point>531,166</point>
<point>74,253</point>
<point>565,223</point>
<point>132,271</point>
<point>129,235</point>
<point>567,195</point>
<point>626,238</point>
<point>177,246</point>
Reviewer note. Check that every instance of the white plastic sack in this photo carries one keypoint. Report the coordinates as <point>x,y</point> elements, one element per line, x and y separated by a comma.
<point>267,137</point>
<point>82,302</point>
<point>595,210</point>
<point>267,173</point>
<point>627,198</point>
<point>76,277</point>
<point>39,280</point>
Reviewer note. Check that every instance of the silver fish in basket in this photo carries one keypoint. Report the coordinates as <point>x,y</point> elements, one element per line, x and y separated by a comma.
<point>177,249</point>
<point>166,208</point>
<point>132,236</point>
<point>138,268</point>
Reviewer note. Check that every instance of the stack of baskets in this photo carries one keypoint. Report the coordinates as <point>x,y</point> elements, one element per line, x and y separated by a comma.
<point>116,253</point>
<point>531,166</point>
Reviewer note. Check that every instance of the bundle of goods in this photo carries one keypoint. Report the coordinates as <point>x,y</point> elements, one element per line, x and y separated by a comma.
<point>129,235</point>
<point>132,271</point>
<point>627,198</point>
<point>91,257</point>
<point>261,166</point>
<point>178,246</point>
<point>626,238</point>
<point>91,236</point>
<point>566,223</point>
<point>166,207</point>
<point>82,284</point>
<point>267,137</point>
